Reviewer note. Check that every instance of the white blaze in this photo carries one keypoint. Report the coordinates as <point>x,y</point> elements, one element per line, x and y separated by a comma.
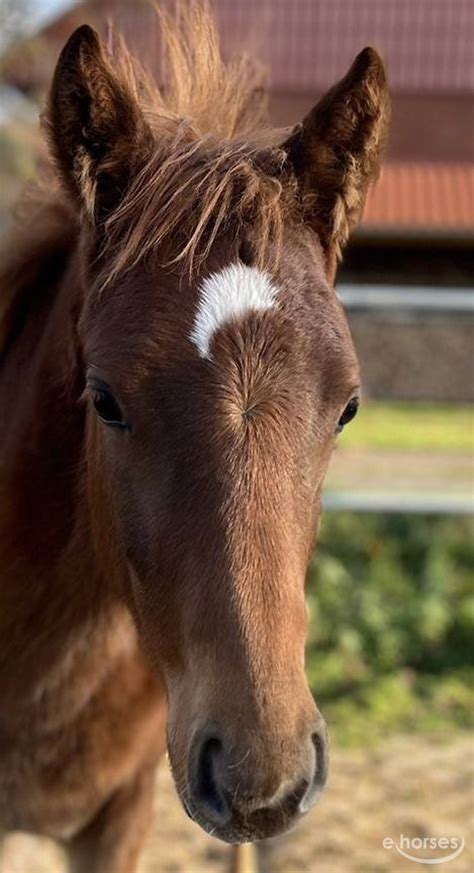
<point>227,295</point>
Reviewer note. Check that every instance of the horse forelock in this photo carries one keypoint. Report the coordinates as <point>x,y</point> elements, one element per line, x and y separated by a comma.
<point>216,162</point>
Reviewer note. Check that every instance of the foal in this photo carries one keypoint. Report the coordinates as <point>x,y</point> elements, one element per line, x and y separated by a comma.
<point>175,367</point>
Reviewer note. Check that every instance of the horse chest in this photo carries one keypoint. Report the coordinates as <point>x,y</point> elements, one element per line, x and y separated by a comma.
<point>67,748</point>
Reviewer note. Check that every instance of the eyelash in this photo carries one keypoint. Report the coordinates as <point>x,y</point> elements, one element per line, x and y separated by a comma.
<point>349,414</point>
<point>106,407</point>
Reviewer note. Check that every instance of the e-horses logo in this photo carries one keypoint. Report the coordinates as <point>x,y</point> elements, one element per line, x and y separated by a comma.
<point>407,845</point>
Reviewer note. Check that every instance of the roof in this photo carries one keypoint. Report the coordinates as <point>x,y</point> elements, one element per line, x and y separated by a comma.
<point>305,44</point>
<point>425,197</point>
<point>308,44</point>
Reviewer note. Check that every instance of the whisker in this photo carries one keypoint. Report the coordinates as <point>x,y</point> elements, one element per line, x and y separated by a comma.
<point>244,758</point>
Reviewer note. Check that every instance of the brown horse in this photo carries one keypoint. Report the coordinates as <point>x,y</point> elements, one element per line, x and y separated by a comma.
<point>175,367</point>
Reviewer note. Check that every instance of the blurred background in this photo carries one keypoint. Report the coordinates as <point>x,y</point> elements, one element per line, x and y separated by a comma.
<point>390,589</point>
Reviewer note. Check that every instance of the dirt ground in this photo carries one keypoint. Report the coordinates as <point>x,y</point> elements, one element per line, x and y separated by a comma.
<point>415,786</point>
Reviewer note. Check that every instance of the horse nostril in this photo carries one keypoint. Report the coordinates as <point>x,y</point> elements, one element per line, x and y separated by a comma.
<point>208,793</point>
<point>320,743</point>
<point>320,746</point>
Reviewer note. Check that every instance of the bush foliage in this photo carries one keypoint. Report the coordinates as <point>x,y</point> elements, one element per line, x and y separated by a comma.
<point>391,606</point>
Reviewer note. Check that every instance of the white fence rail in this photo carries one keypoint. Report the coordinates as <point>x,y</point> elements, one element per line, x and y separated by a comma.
<point>406,298</point>
<point>427,504</point>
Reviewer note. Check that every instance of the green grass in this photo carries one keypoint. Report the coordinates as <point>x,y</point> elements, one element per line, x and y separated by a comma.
<point>417,426</point>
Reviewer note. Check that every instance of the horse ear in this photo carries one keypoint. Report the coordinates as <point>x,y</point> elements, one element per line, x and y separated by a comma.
<point>335,153</point>
<point>95,127</point>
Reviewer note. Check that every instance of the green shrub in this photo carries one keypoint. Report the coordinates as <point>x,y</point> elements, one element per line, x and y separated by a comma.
<point>391,608</point>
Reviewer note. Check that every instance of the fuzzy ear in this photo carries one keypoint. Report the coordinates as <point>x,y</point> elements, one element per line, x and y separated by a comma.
<point>335,153</point>
<point>94,124</point>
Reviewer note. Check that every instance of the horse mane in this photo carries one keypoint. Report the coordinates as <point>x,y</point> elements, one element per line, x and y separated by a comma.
<point>217,160</point>
<point>33,254</point>
<point>227,99</point>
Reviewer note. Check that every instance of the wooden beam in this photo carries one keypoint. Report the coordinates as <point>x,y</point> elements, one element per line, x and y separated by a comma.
<point>244,859</point>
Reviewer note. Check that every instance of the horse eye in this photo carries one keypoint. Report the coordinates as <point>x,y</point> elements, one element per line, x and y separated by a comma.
<point>107,407</point>
<point>349,413</point>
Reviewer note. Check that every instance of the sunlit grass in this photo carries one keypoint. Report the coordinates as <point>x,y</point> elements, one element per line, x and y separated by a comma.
<point>417,426</point>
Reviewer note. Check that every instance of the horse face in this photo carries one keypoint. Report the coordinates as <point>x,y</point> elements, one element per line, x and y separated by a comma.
<point>214,398</point>
<point>214,406</point>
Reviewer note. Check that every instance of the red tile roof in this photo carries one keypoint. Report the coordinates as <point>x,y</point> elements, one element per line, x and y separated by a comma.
<point>428,197</point>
